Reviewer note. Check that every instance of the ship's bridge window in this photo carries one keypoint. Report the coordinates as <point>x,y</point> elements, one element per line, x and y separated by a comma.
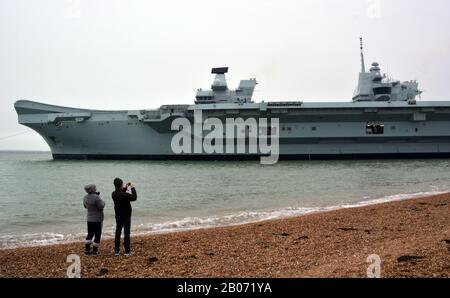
<point>374,129</point>
<point>204,98</point>
<point>382,90</point>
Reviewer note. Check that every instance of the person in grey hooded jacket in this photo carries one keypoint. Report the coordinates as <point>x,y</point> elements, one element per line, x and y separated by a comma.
<point>94,205</point>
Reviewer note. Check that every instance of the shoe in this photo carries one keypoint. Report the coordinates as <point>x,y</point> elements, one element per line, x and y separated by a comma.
<point>117,253</point>
<point>95,251</point>
<point>127,254</point>
<point>87,249</point>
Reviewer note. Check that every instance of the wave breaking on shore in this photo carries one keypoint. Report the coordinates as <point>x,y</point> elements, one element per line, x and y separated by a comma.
<point>193,223</point>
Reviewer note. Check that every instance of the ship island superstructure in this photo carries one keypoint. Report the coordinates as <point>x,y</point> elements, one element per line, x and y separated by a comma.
<point>384,119</point>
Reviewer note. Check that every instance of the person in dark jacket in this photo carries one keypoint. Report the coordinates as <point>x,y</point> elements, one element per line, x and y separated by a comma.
<point>94,205</point>
<point>122,207</point>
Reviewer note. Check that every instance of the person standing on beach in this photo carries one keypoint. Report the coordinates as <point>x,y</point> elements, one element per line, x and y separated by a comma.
<point>94,205</point>
<point>122,207</point>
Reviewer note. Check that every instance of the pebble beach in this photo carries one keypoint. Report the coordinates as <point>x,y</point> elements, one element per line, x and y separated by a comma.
<point>411,237</point>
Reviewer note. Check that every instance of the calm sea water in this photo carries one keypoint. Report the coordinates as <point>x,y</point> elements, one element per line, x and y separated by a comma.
<point>41,200</point>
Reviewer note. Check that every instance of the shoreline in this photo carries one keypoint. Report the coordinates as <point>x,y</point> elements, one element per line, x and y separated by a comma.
<point>296,212</point>
<point>411,236</point>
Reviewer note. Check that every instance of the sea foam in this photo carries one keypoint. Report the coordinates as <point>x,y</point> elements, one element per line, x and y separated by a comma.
<point>193,223</point>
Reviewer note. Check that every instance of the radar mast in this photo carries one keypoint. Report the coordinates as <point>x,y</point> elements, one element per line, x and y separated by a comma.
<point>363,65</point>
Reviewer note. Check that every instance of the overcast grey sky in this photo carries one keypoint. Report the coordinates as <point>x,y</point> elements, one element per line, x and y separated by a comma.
<point>111,54</point>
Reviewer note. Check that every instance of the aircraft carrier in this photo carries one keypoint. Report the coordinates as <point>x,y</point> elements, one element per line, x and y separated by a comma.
<point>383,119</point>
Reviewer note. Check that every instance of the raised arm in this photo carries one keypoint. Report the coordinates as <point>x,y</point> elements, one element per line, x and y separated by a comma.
<point>129,196</point>
<point>133,195</point>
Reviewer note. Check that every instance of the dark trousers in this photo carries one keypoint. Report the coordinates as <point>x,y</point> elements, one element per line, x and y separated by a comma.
<point>125,224</point>
<point>94,231</point>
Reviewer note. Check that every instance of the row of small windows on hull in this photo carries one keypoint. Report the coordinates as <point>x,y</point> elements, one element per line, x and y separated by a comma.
<point>371,129</point>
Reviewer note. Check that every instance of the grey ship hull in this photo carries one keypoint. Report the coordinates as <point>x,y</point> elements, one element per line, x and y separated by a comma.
<point>225,157</point>
<point>307,130</point>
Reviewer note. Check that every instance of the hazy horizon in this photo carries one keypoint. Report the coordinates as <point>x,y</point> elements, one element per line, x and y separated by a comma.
<point>140,54</point>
